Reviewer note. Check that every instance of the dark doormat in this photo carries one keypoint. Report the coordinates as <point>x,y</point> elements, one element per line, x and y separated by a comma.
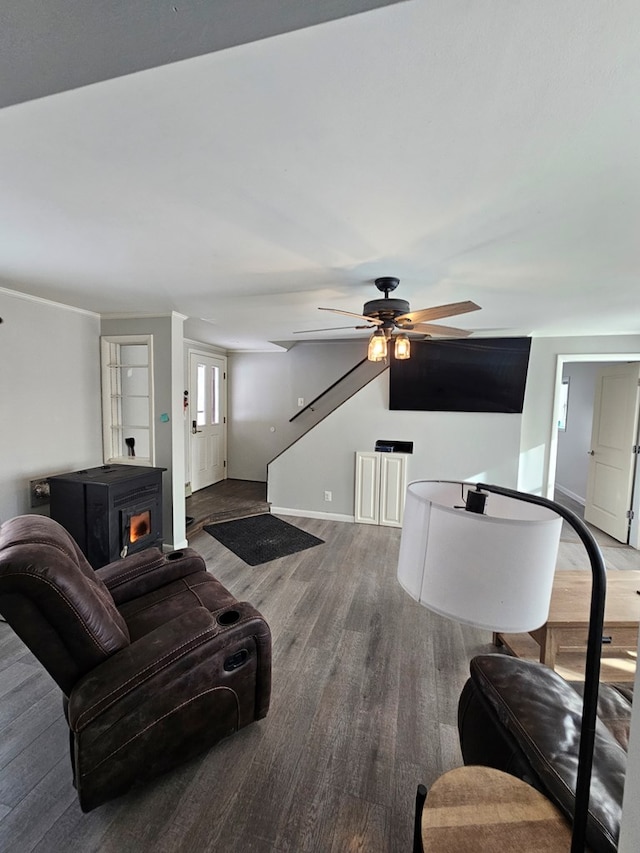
<point>261,538</point>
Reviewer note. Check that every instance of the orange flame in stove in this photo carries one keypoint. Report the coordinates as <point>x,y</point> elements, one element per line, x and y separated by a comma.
<point>139,526</point>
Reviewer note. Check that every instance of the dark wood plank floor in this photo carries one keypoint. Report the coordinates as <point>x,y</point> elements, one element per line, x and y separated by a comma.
<point>365,688</point>
<point>365,691</point>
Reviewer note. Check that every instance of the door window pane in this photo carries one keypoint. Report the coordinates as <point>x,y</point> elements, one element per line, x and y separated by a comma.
<point>564,405</point>
<point>200,395</point>
<point>215,406</point>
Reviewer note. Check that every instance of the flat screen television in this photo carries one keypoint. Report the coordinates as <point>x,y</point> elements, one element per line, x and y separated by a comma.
<point>470,375</point>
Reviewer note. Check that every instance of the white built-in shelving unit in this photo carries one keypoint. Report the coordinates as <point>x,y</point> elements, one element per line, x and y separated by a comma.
<point>127,399</point>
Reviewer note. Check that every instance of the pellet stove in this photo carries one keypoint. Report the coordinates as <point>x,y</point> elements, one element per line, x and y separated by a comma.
<point>110,511</point>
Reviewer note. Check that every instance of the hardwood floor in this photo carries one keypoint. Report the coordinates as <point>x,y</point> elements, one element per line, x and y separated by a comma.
<point>365,688</point>
<point>364,703</point>
<point>572,554</point>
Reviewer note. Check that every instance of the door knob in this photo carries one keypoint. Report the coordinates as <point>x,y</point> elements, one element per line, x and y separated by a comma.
<point>194,428</point>
<point>589,452</point>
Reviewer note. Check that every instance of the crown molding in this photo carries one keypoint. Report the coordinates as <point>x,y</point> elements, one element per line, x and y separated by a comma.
<point>138,316</point>
<point>29,297</point>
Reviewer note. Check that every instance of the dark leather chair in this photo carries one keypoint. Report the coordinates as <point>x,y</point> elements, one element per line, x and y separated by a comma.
<point>157,661</point>
<point>522,717</point>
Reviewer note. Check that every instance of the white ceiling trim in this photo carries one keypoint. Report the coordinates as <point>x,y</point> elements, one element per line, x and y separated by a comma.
<point>28,297</point>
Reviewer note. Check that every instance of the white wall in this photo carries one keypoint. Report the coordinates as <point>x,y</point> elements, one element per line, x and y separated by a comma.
<point>168,381</point>
<point>574,442</point>
<point>50,418</point>
<point>447,445</point>
<point>263,394</point>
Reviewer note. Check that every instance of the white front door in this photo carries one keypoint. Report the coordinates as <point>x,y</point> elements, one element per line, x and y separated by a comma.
<point>207,418</point>
<point>614,437</point>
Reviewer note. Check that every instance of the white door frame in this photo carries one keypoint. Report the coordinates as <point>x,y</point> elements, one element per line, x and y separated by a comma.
<point>562,359</point>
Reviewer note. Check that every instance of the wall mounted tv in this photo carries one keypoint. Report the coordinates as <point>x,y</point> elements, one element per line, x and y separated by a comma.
<point>471,375</point>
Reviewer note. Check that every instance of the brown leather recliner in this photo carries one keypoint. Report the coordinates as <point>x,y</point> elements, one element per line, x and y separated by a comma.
<point>522,717</point>
<point>157,661</point>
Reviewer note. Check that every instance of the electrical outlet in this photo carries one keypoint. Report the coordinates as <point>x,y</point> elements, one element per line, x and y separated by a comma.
<point>39,492</point>
<point>300,402</point>
<point>328,496</point>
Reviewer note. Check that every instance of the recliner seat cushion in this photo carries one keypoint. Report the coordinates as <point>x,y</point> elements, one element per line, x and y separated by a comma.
<point>199,589</point>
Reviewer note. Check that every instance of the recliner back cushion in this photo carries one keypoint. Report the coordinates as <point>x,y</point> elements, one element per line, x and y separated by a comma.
<point>54,601</point>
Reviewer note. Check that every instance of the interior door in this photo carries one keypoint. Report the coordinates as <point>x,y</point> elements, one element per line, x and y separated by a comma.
<point>614,436</point>
<point>207,417</point>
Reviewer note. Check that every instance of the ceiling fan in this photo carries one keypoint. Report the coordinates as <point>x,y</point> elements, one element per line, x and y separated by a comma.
<point>387,315</point>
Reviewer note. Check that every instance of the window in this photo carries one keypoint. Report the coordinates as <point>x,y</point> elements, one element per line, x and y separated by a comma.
<point>564,405</point>
<point>201,394</point>
<point>207,399</point>
<point>127,399</point>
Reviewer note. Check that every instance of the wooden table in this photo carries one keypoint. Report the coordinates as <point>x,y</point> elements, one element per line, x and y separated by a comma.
<point>566,627</point>
<point>482,810</point>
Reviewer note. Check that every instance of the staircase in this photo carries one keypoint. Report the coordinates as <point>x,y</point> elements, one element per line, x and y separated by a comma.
<point>334,396</point>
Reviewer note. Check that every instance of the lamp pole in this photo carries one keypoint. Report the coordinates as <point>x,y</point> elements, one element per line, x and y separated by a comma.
<point>592,664</point>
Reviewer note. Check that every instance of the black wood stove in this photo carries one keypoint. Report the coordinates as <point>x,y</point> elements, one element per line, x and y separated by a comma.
<point>110,511</point>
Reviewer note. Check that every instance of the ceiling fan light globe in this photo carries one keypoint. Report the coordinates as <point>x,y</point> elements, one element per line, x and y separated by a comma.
<point>377,350</point>
<point>402,347</point>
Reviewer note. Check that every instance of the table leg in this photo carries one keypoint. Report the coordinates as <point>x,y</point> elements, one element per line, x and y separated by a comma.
<point>546,638</point>
<point>548,647</point>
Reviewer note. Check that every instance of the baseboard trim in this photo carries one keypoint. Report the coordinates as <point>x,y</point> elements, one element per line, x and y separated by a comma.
<point>570,494</point>
<point>311,513</point>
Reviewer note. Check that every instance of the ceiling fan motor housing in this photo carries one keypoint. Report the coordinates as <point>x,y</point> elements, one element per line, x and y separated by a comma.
<point>386,308</point>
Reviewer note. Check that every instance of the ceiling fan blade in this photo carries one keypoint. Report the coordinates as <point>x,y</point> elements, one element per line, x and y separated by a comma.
<point>442,331</point>
<point>437,312</point>
<point>373,320</point>
<point>330,329</point>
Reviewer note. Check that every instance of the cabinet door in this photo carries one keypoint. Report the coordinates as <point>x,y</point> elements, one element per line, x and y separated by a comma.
<point>393,485</point>
<point>367,488</point>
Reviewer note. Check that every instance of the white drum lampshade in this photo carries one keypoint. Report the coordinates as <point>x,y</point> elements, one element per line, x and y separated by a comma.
<point>493,570</point>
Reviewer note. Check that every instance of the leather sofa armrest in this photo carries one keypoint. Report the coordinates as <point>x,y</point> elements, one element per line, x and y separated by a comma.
<point>168,655</point>
<point>141,573</point>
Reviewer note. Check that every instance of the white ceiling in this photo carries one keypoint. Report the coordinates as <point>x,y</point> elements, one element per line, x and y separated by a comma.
<point>485,151</point>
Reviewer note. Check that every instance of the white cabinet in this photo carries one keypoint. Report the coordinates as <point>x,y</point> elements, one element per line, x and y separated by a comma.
<point>381,483</point>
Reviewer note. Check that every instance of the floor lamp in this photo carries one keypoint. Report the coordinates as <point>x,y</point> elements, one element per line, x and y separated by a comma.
<point>485,555</point>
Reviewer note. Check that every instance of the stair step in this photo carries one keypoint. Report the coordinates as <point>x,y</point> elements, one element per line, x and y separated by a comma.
<point>228,515</point>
